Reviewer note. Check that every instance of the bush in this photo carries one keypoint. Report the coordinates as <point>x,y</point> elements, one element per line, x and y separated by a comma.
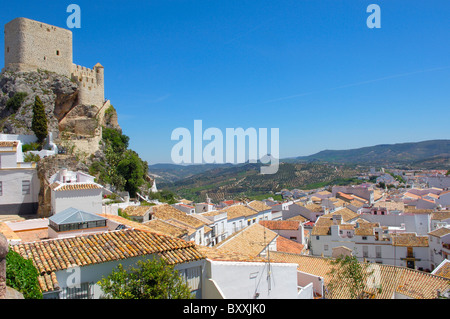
<point>153,279</point>
<point>30,147</point>
<point>16,101</point>
<point>22,276</point>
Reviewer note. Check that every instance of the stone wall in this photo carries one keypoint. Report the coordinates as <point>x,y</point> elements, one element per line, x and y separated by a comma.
<point>31,45</point>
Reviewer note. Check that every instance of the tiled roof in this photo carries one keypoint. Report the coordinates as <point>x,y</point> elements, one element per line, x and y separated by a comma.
<point>299,218</point>
<point>440,215</point>
<point>409,239</point>
<point>259,205</point>
<point>443,269</point>
<point>236,211</point>
<point>137,210</point>
<point>366,229</point>
<point>346,214</point>
<point>163,227</point>
<point>442,231</point>
<point>280,224</point>
<point>412,283</point>
<point>251,240</point>
<point>289,246</point>
<point>49,256</point>
<point>320,231</point>
<point>221,255</point>
<point>56,186</point>
<point>166,212</point>
<point>389,205</point>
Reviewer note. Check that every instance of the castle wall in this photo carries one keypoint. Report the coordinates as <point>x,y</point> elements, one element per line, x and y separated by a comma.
<point>90,83</point>
<point>31,45</point>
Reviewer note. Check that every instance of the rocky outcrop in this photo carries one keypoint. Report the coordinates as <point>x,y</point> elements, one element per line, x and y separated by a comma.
<point>74,126</point>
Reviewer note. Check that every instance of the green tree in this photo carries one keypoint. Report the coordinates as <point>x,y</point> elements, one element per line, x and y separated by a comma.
<point>22,275</point>
<point>349,275</point>
<point>39,121</point>
<point>132,169</point>
<point>152,279</point>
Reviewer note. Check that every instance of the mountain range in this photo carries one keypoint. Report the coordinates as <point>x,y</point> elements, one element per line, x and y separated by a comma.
<point>328,167</point>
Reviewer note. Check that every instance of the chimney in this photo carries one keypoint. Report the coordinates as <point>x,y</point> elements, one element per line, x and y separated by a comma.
<point>3,252</point>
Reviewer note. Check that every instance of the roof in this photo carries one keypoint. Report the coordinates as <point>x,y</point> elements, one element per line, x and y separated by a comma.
<point>259,205</point>
<point>137,210</point>
<point>389,205</point>
<point>251,240</point>
<point>289,246</point>
<point>72,215</point>
<point>167,212</point>
<point>409,239</point>
<point>440,215</point>
<point>280,224</point>
<point>443,269</point>
<point>163,227</point>
<point>236,211</point>
<point>410,282</point>
<point>52,255</point>
<point>442,231</point>
<point>57,186</point>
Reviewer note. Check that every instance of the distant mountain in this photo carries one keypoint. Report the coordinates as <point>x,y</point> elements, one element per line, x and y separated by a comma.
<point>426,153</point>
<point>245,180</point>
<point>329,167</point>
<point>173,172</point>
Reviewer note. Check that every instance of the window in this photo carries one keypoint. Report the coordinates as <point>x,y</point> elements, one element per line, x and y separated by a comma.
<point>378,251</point>
<point>364,237</point>
<point>317,237</point>
<point>365,251</point>
<point>1,188</point>
<point>57,52</point>
<point>325,247</point>
<point>26,187</point>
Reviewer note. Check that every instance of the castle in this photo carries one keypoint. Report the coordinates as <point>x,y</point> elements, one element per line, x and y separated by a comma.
<point>31,45</point>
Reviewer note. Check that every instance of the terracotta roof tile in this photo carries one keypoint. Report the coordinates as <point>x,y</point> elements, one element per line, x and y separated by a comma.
<point>280,224</point>
<point>58,254</point>
<point>412,283</point>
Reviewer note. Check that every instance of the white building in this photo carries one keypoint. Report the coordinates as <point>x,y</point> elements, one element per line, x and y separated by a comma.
<point>75,189</point>
<point>370,242</point>
<point>19,183</point>
<point>439,245</point>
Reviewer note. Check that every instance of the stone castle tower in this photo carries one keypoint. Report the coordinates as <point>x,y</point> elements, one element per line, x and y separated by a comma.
<point>32,45</point>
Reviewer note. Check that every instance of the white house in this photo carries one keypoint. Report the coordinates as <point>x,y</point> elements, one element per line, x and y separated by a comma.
<point>75,189</point>
<point>74,265</point>
<point>439,245</point>
<point>19,183</point>
<point>255,280</point>
<point>371,242</point>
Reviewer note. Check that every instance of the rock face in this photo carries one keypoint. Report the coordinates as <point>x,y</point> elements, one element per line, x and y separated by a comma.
<point>74,125</point>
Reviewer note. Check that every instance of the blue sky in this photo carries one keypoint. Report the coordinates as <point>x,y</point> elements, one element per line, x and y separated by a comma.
<point>313,69</point>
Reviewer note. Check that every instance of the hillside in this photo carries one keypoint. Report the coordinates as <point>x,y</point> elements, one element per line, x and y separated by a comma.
<point>169,173</point>
<point>426,154</point>
<point>245,180</point>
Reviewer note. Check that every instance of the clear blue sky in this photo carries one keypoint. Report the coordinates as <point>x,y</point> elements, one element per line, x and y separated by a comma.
<point>313,68</point>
